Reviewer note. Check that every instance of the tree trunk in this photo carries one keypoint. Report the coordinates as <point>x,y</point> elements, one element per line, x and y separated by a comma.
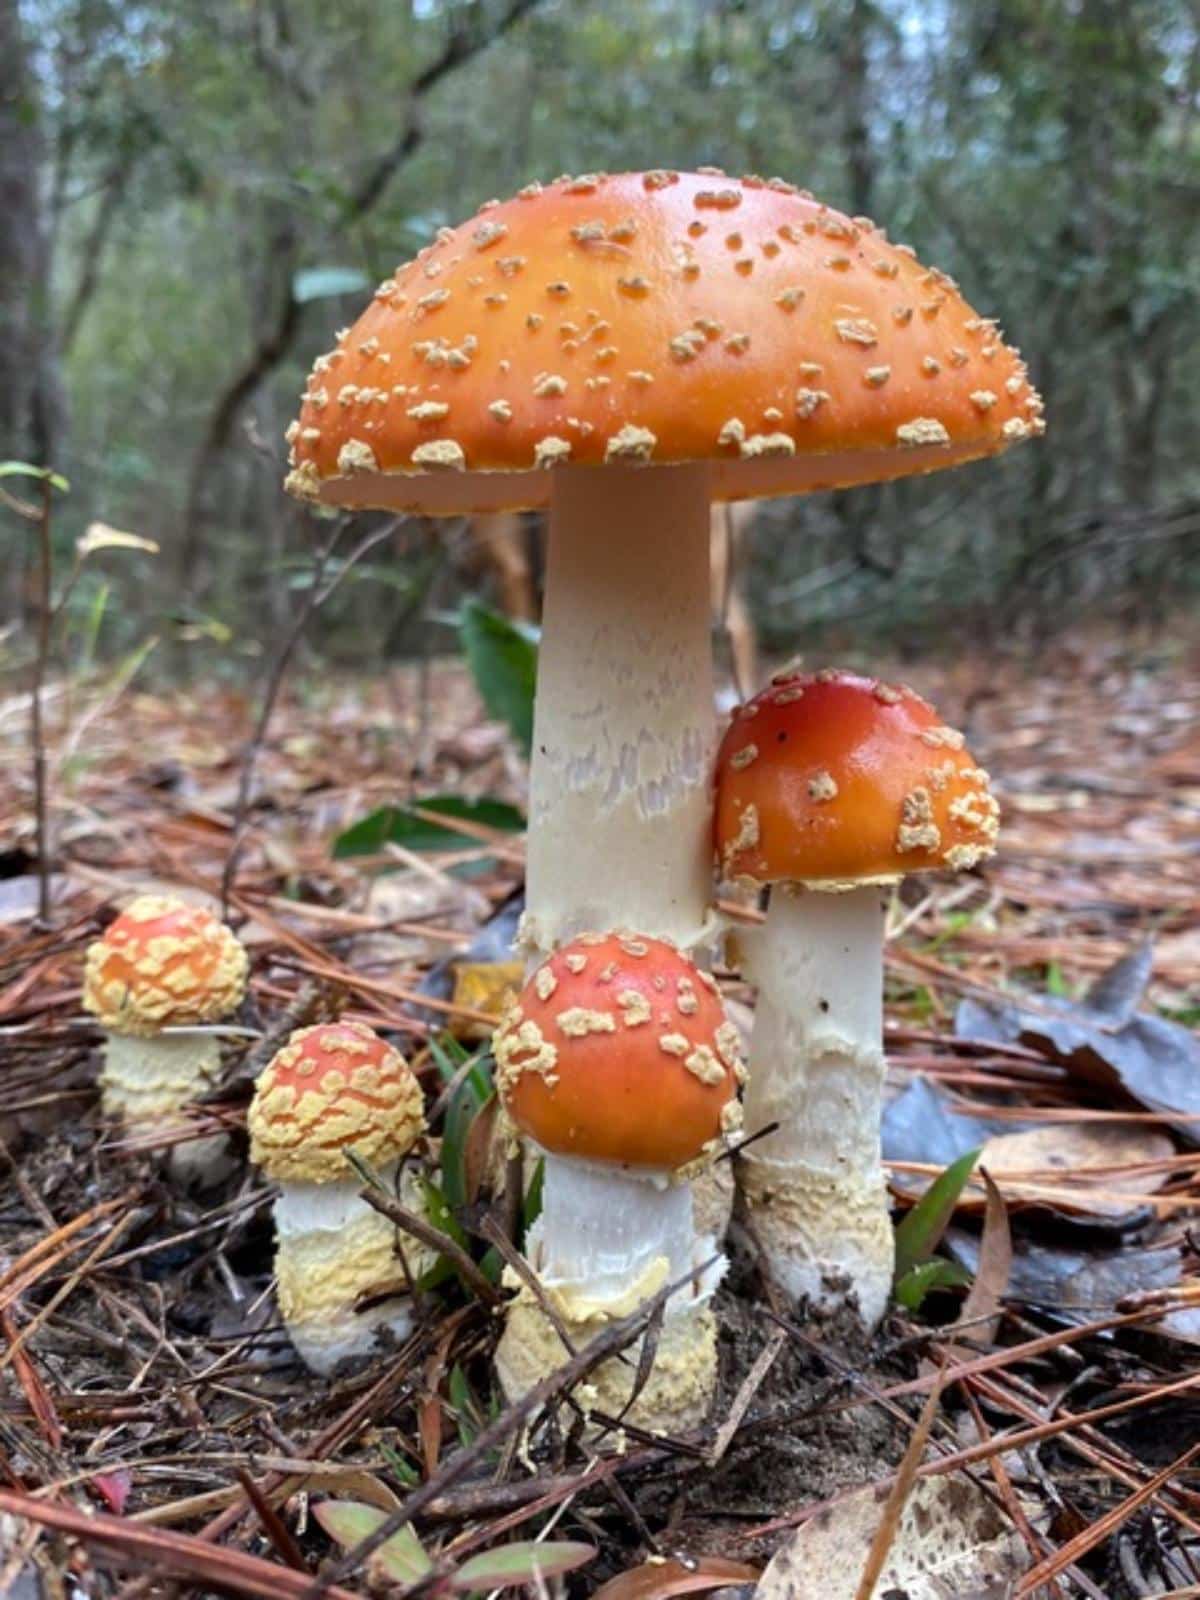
<point>23,423</point>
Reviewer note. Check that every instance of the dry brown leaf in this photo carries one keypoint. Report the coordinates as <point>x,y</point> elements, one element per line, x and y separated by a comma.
<point>1023,1163</point>
<point>951,1543</point>
<point>980,1312</point>
<point>655,1580</point>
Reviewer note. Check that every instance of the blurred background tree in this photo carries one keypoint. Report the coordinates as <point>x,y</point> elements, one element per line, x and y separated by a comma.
<point>193,193</point>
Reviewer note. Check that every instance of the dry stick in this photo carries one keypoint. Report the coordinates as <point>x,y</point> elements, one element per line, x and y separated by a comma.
<point>436,1239</point>
<point>763,1363</point>
<point>315,597</point>
<point>28,1268</point>
<point>615,1338</point>
<point>181,1555</point>
<point>1017,1440</point>
<point>276,1529</point>
<point>901,1488</point>
<point>1107,1524</point>
<point>36,732</point>
<point>102,1247</point>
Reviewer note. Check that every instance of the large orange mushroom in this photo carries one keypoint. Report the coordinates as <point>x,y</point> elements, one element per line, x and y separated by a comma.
<point>623,350</point>
<point>830,788</point>
<point>619,1064</point>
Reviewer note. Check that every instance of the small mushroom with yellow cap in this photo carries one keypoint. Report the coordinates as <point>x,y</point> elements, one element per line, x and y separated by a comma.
<point>163,973</point>
<point>831,788</point>
<point>620,1065</point>
<point>333,1088</point>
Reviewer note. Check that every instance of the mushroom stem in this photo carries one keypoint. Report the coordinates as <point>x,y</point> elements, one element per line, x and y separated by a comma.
<point>332,1248</point>
<point>815,1185</point>
<point>605,1230</point>
<point>145,1080</point>
<point>620,782</point>
<point>607,1239</point>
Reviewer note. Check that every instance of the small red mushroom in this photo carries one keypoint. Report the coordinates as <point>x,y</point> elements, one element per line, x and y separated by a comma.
<point>620,1065</point>
<point>831,787</point>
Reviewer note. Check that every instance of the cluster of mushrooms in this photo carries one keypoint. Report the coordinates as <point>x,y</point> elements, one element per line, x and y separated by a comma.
<point>622,351</point>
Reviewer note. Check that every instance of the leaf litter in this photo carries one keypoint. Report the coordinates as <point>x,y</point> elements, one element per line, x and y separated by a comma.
<point>154,1426</point>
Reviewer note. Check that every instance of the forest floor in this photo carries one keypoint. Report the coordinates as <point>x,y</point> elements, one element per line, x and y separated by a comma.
<point>153,1419</point>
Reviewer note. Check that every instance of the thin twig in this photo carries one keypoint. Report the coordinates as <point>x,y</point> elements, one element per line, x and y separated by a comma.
<point>314,598</point>
<point>36,729</point>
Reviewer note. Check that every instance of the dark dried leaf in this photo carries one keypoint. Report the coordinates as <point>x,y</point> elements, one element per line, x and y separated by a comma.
<point>1103,1041</point>
<point>657,1580</point>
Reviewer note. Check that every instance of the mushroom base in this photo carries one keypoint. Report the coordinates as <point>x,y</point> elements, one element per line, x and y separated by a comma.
<point>814,1187</point>
<point>608,1239</point>
<point>145,1080</point>
<point>676,1395</point>
<point>333,1249</point>
<point>827,1239</point>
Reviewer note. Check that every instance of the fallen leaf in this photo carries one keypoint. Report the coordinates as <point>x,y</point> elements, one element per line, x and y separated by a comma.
<point>1103,1041</point>
<point>1044,1165</point>
<point>980,1313</point>
<point>527,1562</point>
<point>1077,1285</point>
<point>400,1558</point>
<point>1058,1157</point>
<point>99,536</point>
<point>656,1580</point>
<point>113,1488</point>
<point>951,1543</point>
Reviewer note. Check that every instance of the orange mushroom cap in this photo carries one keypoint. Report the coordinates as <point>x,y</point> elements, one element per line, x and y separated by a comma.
<point>657,316</point>
<point>837,779</point>
<point>330,1088</point>
<point>619,1049</point>
<point>163,962</point>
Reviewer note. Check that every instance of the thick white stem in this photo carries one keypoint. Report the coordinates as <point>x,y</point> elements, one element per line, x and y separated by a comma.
<point>607,1239</point>
<point>815,1186</point>
<point>620,782</point>
<point>609,1236</point>
<point>331,1247</point>
<point>145,1081</point>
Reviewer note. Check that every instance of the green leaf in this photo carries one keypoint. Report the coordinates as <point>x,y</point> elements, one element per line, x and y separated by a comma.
<point>348,1522</point>
<point>320,283</point>
<point>531,1210</point>
<point>407,1474</point>
<point>22,469</point>
<point>917,1282</point>
<point>399,825</point>
<point>461,1110</point>
<point>918,1235</point>
<point>439,1214</point>
<point>524,1562</point>
<point>503,662</point>
<point>465,1408</point>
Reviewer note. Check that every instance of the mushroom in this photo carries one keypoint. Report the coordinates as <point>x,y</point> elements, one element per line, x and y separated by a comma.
<point>623,350</point>
<point>831,788</point>
<point>619,1064</point>
<point>162,973</point>
<point>332,1088</point>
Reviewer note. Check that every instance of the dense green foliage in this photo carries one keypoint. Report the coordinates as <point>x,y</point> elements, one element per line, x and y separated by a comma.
<point>217,182</point>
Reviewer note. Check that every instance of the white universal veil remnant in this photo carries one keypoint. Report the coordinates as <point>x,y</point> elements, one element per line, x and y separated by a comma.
<point>623,350</point>
<point>618,1062</point>
<point>334,1087</point>
<point>831,788</point>
<point>158,979</point>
